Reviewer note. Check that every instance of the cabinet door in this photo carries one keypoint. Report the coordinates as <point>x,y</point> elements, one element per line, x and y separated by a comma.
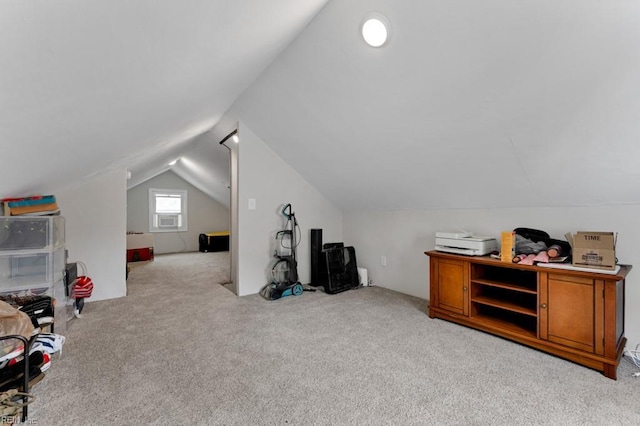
<point>571,312</point>
<point>450,285</point>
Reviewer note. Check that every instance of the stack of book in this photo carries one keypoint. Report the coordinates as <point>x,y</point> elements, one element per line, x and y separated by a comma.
<point>39,205</point>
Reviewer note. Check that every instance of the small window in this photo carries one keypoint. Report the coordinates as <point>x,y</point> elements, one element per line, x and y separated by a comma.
<point>167,210</point>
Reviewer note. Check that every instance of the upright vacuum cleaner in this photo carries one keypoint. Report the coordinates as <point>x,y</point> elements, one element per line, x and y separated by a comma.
<point>285,269</point>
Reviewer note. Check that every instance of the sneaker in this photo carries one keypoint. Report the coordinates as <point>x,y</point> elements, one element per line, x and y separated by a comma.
<point>46,358</point>
<point>45,320</point>
<point>12,376</point>
<point>9,358</point>
<point>46,362</point>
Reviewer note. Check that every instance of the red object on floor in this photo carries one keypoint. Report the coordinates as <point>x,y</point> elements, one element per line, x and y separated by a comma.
<point>83,287</point>
<point>140,254</point>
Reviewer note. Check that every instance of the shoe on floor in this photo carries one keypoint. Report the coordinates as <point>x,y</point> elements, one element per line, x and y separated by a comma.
<point>46,362</point>
<point>9,358</point>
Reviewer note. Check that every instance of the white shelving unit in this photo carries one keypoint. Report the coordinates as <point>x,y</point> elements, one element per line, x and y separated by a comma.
<point>32,260</point>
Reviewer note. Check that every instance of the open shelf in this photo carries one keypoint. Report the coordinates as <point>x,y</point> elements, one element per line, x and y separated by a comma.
<point>504,304</point>
<point>508,286</point>
<point>506,325</point>
<point>512,278</point>
<point>506,297</point>
<point>508,320</point>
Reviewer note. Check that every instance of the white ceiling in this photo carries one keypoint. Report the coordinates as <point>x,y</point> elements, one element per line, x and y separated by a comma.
<point>90,85</point>
<point>496,103</point>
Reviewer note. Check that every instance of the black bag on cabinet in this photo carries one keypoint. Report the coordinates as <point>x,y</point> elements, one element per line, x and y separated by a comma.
<point>537,235</point>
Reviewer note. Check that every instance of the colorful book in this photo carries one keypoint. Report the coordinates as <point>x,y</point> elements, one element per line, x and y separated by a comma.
<point>32,201</point>
<point>16,211</point>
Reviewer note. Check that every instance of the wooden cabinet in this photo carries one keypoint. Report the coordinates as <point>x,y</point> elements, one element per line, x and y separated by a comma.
<point>577,315</point>
<point>568,307</point>
<point>451,278</point>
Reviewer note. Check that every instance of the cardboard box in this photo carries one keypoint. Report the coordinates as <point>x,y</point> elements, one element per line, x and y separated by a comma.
<point>594,250</point>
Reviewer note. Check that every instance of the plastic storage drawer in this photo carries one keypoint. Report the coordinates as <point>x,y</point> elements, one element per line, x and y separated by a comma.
<point>20,233</point>
<point>24,270</point>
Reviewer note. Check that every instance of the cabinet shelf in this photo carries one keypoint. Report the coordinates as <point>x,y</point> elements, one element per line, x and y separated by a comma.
<point>506,296</point>
<point>523,280</point>
<point>508,286</point>
<point>515,327</point>
<point>504,304</point>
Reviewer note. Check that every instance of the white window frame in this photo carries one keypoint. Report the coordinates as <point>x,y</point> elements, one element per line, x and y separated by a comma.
<point>182,216</point>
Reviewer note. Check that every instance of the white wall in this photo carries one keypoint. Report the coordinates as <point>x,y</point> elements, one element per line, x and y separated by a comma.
<point>263,175</point>
<point>234,242</point>
<point>205,214</point>
<point>404,236</point>
<point>95,218</point>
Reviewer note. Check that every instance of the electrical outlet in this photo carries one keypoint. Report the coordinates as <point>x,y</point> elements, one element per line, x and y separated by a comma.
<point>383,260</point>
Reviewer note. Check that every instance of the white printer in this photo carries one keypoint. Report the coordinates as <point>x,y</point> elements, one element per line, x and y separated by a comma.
<point>465,243</point>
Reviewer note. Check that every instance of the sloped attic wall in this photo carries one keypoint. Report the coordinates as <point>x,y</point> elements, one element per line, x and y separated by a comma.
<point>202,162</point>
<point>96,85</point>
<point>470,104</point>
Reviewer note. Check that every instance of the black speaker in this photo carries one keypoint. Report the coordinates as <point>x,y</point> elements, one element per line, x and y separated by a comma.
<point>70,275</point>
<point>316,259</point>
<point>342,269</point>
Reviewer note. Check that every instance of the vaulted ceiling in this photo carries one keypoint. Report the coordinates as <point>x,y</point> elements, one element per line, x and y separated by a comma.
<point>494,103</point>
<point>90,85</point>
<point>470,104</point>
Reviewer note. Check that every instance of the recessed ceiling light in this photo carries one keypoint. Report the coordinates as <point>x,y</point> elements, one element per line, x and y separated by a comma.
<point>235,138</point>
<point>375,30</point>
<point>173,162</point>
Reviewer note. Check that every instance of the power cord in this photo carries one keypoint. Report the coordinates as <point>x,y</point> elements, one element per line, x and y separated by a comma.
<point>635,358</point>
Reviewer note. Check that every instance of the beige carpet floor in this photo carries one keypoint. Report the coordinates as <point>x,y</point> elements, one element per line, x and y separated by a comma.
<point>181,349</point>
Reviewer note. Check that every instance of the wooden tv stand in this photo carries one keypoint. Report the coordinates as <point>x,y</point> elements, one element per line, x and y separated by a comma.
<point>576,315</point>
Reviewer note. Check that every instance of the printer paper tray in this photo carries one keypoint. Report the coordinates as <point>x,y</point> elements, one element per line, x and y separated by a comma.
<point>456,250</point>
